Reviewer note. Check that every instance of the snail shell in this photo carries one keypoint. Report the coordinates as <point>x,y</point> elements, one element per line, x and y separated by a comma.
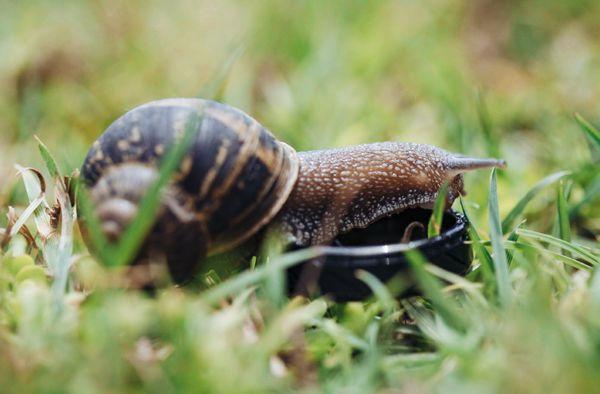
<point>236,178</point>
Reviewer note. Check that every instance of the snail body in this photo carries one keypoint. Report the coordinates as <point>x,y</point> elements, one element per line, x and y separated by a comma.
<point>237,179</point>
<point>341,189</point>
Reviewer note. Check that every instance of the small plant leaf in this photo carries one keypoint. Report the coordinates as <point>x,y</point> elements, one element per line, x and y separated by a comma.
<point>48,159</point>
<point>92,226</point>
<point>591,132</point>
<point>591,193</point>
<point>276,282</point>
<point>512,237</point>
<point>499,254</point>
<point>16,227</point>
<point>432,289</point>
<point>434,226</point>
<point>483,255</point>
<point>215,89</point>
<point>564,226</point>
<point>61,265</point>
<point>380,291</point>
<point>538,248</point>
<point>518,209</point>
<point>35,187</point>
<point>575,249</point>
<point>251,277</point>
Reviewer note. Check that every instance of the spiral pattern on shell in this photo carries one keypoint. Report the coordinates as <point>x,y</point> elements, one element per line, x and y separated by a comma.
<point>235,177</point>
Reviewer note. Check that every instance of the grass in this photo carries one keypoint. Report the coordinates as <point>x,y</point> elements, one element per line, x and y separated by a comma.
<point>483,79</point>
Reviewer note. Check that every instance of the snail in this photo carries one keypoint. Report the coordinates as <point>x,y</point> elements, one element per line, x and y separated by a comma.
<point>236,179</point>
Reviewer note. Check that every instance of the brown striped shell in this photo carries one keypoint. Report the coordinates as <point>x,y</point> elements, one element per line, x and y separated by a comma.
<point>234,179</point>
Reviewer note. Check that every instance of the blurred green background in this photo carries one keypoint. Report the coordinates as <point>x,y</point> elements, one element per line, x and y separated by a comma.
<point>316,73</point>
<point>485,78</point>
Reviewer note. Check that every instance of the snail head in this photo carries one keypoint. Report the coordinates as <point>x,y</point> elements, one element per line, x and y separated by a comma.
<point>177,234</point>
<point>118,194</point>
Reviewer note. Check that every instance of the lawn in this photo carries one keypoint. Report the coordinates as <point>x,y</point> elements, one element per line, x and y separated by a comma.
<point>516,80</point>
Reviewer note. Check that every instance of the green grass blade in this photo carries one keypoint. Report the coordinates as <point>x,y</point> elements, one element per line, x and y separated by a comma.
<point>92,225</point>
<point>30,210</point>
<point>48,159</point>
<point>275,285</point>
<point>564,226</point>
<point>62,263</point>
<point>134,236</point>
<point>533,245</point>
<point>380,291</point>
<point>543,250</point>
<point>251,277</point>
<point>432,289</point>
<point>499,255</point>
<point>412,360</point>
<point>35,187</point>
<point>458,282</point>
<point>434,226</point>
<point>216,87</point>
<point>484,257</point>
<point>591,193</point>
<point>595,286</point>
<point>590,131</point>
<point>512,237</point>
<point>518,209</point>
<point>575,249</point>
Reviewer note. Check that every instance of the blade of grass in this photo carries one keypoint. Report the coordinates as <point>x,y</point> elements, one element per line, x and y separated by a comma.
<point>92,225</point>
<point>591,193</point>
<point>512,237</point>
<point>518,209</point>
<point>341,334</point>
<point>564,226</point>
<point>216,87</point>
<point>434,226</point>
<point>124,251</point>
<point>62,264</point>
<point>35,187</point>
<point>539,248</point>
<point>380,291</point>
<point>251,277</point>
<point>30,210</point>
<point>573,248</point>
<point>432,289</point>
<point>484,256</point>
<point>48,159</point>
<point>412,360</point>
<point>595,286</point>
<point>499,255</point>
<point>485,259</point>
<point>58,255</point>
<point>533,246</point>
<point>134,236</point>
<point>276,282</point>
<point>456,280</point>
<point>590,131</point>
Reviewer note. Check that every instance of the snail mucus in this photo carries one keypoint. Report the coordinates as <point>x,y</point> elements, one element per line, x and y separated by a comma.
<point>237,180</point>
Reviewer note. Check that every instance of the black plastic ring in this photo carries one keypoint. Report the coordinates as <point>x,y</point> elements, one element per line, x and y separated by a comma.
<point>334,273</point>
